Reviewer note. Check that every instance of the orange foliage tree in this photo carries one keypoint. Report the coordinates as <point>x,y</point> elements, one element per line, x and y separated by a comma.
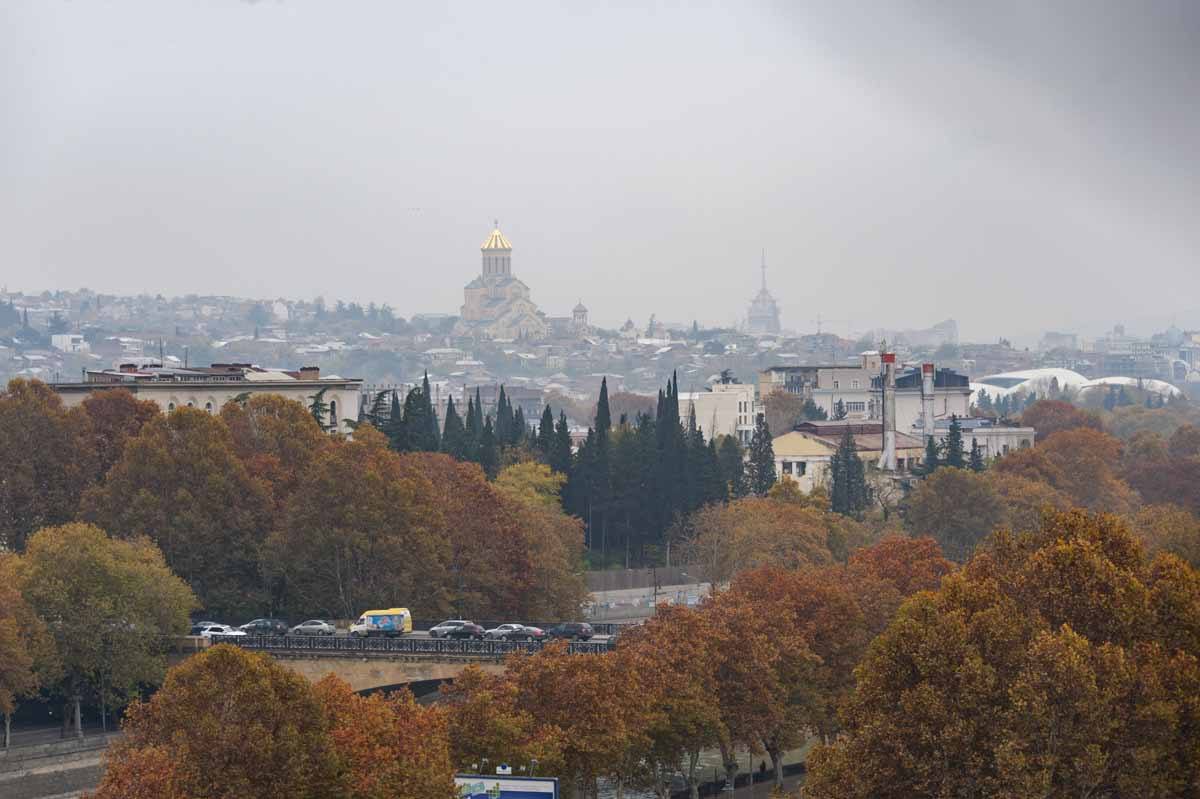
<point>1057,662</point>
<point>1048,417</point>
<point>45,460</point>
<point>116,416</point>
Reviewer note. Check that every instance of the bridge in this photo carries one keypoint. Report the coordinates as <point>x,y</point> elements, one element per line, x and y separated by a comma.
<point>368,664</point>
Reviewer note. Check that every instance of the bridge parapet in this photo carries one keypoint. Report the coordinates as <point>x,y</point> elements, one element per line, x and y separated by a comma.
<point>425,648</point>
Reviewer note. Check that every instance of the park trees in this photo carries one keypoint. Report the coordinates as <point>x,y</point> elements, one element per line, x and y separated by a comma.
<point>1049,416</point>
<point>760,466</point>
<point>109,603</point>
<point>345,545</point>
<point>116,416</point>
<point>181,483</point>
<point>849,493</point>
<point>226,723</point>
<point>958,508</point>
<point>45,459</point>
<point>276,438</point>
<point>1057,662</point>
<point>27,658</point>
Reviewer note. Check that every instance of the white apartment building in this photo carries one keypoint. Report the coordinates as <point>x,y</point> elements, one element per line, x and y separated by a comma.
<point>827,385</point>
<point>724,409</point>
<point>69,342</point>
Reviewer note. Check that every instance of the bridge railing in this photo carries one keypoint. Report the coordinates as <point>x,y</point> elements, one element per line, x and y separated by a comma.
<point>427,647</point>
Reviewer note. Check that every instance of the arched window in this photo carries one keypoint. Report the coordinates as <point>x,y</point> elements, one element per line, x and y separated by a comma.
<point>170,407</point>
<point>333,422</point>
<point>208,407</point>
<point>191,404</point>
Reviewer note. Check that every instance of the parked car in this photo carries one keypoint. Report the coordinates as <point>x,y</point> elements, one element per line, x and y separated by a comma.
<point>265,627</point>
<point>514,632</point>
<point>467,630</point>
<point>571,630</point>
<point>445,627</point>
<point>200,625</point>
<point>221,629</point>
<point>390,622</point>
<point>314,627</point>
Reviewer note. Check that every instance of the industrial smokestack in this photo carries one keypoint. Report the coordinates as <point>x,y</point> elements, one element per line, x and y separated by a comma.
<point>927,421</point>
<point>887,458</point>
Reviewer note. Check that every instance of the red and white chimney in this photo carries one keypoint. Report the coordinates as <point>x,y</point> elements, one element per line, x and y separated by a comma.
<point>927,420</point>
<point>887,458</point>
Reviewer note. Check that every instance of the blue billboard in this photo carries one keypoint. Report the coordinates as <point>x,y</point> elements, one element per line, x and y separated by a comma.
<point>477,786</point>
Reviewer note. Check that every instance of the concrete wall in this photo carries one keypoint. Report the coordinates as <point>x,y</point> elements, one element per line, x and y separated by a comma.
<point>374,672</point>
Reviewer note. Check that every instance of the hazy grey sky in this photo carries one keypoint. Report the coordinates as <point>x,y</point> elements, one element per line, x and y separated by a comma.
<point>1015,165</point>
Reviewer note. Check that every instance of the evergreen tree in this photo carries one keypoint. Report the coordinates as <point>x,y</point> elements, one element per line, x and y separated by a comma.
<point>839,410</point>
<point>520,429</point>
<point>976,462</point>
<point>733,466</point>
<point>319,409</point>
<point>933,456</point>
<point>812,412</point>
<point>420,426</point>
<point>504,418</point>
<point>471,433</point>
<point>603,415</point>
<point>545,434</point>
<point>560,452</point>
<point>761,468</point>
<point>489,458</point>
<point>454,436</point>
<point>430,437</point>
<point>395,429</point>
<point>955,452</point>
<point>849,493</point>
<point>378,414</point>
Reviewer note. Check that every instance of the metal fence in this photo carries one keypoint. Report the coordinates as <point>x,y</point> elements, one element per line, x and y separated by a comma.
<point>426,647</point>
<point>599,628</point>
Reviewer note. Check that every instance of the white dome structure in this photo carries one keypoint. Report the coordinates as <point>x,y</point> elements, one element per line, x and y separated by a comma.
<point>1160,387</point>
<point>1027,381</point>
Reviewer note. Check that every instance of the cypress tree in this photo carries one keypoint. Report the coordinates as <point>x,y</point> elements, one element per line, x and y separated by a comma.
<point>761,469</point>
<point>849,494</point>
<point>416,424</point>
<point>489,458</point>
<point>976,462</point>
<point>955,454</point>
<point>471,433</point>
<point>520,429</point>
<point>733,466</point>
<point>504,418</point>
<point>430,437</point>
<point>454,437</point>
<point>545,434</point>
<point>396,431</point>
<point>560,451</point>
<point>603,415</point>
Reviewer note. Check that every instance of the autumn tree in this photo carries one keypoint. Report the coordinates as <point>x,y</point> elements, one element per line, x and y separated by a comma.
<point>782,410</point>
<point>181,483</point>
<point>111,603</point>
<point>1169,528</point>
<point>386,745</point>
<point>1185,442</point>
<point>45,458</point>
<point>1025,500</point>
<point>375,540</point>
<point>226,724</point>
<point>277,438</point>
<point>958,508</point>
<point>1082,463</point>
<point>116,416</point>
<point>1058,662</point>
<point>27,658</point>
<point>1049,416</point>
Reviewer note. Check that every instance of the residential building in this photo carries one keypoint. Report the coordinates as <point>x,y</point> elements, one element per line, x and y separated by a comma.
<point>803,455</point>
<point>725,408</point>
<point>994,439</point>
<point>69,342</point>
<point>827,385</point>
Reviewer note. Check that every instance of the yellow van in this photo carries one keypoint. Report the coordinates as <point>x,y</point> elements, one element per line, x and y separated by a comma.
<point>390,622</point>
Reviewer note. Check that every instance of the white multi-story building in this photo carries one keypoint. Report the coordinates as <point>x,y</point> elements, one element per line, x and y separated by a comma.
<point>827,385</point>
<point>726,408</point>
<point>69,342</point>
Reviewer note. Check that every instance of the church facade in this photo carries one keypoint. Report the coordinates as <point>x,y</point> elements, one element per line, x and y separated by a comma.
<point>763,317</point>
<point>496,304</point>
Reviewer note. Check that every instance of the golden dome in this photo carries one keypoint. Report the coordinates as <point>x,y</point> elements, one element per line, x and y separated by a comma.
<point>496,241</point>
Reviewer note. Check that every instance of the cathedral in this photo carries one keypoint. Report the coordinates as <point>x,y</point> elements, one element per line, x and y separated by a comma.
<point>496,305</point>
<point>764,313</point>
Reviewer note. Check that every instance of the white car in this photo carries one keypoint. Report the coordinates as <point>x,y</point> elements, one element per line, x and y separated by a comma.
<point>446,627</point>
<point>515,632</point>
<point>220,629</point>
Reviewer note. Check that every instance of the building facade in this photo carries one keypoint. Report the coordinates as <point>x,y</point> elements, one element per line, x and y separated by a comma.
<point>827,385</point>
<point>209,388</point>
<point>496,304</point>
<point>724,409</point>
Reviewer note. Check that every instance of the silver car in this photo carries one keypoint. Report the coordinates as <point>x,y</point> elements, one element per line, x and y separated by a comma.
<point>510,632</point>
<point>314,627</point>
<point>446,627</point>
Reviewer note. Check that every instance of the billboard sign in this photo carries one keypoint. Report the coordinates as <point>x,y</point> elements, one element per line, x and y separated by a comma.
<point>482,786</point>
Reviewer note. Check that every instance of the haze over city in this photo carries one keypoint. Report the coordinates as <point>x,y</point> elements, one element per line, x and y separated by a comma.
<point>903,162</point>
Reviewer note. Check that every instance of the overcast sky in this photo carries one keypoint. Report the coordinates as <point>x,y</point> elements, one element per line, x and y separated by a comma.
<point>1015,165</point>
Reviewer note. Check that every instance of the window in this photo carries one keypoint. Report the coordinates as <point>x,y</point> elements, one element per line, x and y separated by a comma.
<point>853,384</point>
<point>856,407</point>
<point>208,407</point>
<point>191,404</point>
<point>801,468</point>
<point>787,467</point>
<point>170,407</point>
<point>835,384</point>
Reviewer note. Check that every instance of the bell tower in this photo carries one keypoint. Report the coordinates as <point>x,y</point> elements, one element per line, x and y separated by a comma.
<point>497,255</point>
